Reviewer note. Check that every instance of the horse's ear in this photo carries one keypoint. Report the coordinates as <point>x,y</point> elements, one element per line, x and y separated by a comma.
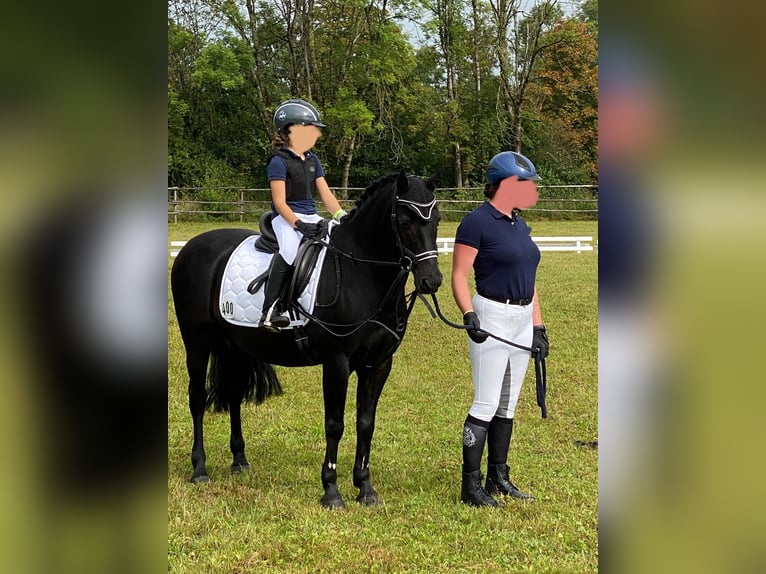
<point>402,185</point>
<point>436,178</point>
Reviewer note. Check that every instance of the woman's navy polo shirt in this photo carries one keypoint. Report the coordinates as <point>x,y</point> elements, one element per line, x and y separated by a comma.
<point>507,258</point>
<point>277,169</point>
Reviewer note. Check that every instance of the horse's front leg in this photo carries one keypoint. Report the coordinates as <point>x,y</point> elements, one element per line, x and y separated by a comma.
<point>369,387</point>
<point>334,387</point>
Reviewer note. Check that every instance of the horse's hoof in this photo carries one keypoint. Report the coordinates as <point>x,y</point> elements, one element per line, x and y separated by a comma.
<point>332,501</point>
<point>239,468</point>
<point>368,499</point>
<point>202,478</point>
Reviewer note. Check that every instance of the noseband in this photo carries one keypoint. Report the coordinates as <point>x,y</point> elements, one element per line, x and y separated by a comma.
<point>408,258</point>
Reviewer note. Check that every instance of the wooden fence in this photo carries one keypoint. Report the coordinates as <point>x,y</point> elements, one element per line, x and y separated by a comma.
<point>247,204</point>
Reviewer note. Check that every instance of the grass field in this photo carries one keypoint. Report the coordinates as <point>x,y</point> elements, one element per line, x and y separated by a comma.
<point>270,520</point>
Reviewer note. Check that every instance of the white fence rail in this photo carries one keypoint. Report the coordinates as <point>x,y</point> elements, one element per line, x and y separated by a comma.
<point>175,247</point>
<point>565,243</point>
<point>577,244</point>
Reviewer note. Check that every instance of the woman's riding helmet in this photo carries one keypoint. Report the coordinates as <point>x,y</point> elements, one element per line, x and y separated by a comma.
<point>300,112</point>
<point>508,163</point>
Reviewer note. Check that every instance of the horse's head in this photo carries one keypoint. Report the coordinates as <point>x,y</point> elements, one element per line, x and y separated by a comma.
<point>417,218</point>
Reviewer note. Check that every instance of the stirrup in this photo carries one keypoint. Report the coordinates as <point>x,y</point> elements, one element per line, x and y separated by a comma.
<point>275,323</point>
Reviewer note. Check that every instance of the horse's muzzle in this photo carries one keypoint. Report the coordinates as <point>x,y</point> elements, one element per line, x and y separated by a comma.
<point>427,283</point>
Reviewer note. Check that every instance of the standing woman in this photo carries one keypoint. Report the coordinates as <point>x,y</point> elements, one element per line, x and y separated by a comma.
<point>295,177</point>
<point>496,243</point>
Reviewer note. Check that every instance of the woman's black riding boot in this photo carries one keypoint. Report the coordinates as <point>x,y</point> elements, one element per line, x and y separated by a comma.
<point>474,437</point>
<point>498,442</point>
<point>273,317</point>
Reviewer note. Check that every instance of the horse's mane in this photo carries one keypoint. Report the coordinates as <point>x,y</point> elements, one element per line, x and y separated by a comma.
<point>375,186</point>
<point>370,190</point>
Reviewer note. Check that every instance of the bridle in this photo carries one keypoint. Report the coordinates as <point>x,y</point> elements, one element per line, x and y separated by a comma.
<point>408,260</point>
<point>424,211</point>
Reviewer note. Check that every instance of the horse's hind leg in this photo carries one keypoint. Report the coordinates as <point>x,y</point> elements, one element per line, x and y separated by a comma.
<point>237,441</point>
<point>238,377</point>
<point>229,381</point>
<point>369,387</point>
<point>196,363</point>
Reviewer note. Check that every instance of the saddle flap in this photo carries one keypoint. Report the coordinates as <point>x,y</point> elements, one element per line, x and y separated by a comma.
<point>305,261</point>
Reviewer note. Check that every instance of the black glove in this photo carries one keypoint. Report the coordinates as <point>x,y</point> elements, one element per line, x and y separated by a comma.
<point>540,341</point>
<point>471,320</point>
<point>309,230</point>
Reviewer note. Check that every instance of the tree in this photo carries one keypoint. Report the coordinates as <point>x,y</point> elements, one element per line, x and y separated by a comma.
<point>450,31</point>
<point>211,121</point>
<point>520,41</point>
<point>567,94</point>
<point>588,13</point>
<point>489,76</point>
<point>362,62</point>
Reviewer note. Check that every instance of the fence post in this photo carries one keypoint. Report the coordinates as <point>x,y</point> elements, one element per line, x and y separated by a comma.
<point>175,205</point>
<point>241,205</point>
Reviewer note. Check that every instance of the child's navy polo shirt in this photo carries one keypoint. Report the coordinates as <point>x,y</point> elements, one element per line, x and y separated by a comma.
<point>277,169</point>
<point>507,258</point>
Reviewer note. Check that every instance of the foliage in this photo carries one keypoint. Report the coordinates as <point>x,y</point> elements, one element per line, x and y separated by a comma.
<point>567,96</point>
<point>444,101</point>
<point>588,13</point>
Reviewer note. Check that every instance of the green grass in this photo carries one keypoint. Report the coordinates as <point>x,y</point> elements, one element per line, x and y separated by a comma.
<point>270,520</point>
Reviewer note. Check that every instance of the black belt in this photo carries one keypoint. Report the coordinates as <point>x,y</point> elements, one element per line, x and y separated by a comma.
<point>522,302</point>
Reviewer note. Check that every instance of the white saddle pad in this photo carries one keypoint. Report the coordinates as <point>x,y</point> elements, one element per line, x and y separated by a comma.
<point>240,307</point>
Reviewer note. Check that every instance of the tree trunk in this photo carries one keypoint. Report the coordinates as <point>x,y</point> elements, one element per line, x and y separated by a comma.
<point>255,74</point>
<point>347,165</point>
<point>307,25</point>
<point>516,67</point>
<point>458,166</point>
<point>291,14</point>
<point>445,13</point>
<point>475,41</point>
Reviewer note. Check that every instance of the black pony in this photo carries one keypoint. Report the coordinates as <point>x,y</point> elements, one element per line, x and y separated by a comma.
<point>358,323</point>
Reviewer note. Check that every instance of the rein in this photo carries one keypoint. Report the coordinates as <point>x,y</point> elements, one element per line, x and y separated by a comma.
<point>400,279</point>
<point>541,374</point>
<point>407,261</point>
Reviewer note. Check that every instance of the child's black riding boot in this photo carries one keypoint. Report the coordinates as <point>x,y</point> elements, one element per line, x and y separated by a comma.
<point>474,437</point>
<point>274,318</point>
<point>498,442</point>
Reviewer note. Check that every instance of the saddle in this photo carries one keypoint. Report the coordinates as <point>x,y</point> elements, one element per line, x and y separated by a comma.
<point>305,259</point>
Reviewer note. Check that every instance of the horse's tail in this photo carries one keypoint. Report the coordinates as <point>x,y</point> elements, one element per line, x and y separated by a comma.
<point>234,377</point>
